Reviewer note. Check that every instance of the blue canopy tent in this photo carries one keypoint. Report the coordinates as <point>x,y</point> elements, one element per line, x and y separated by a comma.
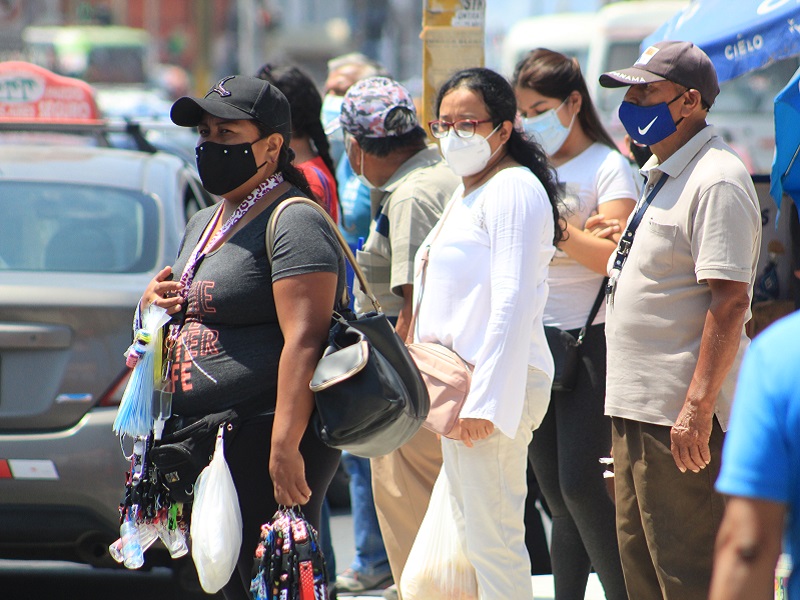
<point>786,166</point>
<point>738,35</point>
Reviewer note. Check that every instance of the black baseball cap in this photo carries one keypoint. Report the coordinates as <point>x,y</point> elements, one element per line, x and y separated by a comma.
<point>237,97</point>
<point>679,62</point>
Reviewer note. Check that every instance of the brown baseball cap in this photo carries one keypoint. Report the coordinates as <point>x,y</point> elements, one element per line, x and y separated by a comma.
<point>679,62</point>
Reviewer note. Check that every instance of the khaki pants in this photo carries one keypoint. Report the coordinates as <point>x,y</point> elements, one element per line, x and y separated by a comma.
<point>667,521</point>
<point>401,485</point>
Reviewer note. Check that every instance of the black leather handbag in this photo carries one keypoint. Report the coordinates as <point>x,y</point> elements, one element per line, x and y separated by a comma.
<point>370,397</point>
<point>566,349</point>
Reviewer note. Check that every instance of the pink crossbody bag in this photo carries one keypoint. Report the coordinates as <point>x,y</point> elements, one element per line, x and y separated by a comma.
<point>447,376</point>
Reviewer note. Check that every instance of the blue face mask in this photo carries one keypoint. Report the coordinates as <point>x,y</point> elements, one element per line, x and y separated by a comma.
<point>648,125</point>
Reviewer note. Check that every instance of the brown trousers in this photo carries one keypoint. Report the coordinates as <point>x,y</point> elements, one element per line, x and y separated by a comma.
<point>401,485</point>
<point>667,521</point>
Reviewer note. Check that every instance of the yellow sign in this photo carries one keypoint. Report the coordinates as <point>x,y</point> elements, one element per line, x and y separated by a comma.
<point>452,39</point>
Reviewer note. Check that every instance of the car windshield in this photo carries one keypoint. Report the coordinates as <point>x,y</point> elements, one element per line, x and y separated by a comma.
<point>77,228</point>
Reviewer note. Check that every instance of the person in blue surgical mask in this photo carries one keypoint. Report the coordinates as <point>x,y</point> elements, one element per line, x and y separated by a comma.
<point>679,296</point>
<point>598,194</point>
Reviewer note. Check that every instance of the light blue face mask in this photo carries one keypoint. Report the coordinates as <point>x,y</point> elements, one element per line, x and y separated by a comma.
<point>331,108</point>
<point>547,130</point>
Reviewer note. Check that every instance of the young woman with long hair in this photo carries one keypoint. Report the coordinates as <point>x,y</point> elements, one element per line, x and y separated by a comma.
<point>598,193</point>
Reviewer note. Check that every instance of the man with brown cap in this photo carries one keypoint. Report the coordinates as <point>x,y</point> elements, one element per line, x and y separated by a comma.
<point>679,295</point>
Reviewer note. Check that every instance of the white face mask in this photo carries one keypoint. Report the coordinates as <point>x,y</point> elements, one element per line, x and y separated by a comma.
<point>348,142</point>
<point>547,130</point>
<point>467,156</point>
<point>360,176</point>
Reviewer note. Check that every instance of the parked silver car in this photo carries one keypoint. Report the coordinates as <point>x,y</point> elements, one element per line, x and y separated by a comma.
<point>82,232</point>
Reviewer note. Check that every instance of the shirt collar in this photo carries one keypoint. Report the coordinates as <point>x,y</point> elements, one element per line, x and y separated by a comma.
<point>427,157</point>
<point>676,163</point>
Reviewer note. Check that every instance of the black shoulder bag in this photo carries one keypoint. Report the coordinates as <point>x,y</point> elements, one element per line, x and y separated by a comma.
<point>566,349</point>
<point>370,397</point>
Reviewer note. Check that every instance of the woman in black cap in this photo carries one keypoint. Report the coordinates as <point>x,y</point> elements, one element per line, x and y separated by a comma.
<point>250,330</point>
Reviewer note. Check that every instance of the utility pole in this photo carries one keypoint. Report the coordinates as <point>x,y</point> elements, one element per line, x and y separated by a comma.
<point>452,37</point>
<point>246,37</point>
<point>202,70</point>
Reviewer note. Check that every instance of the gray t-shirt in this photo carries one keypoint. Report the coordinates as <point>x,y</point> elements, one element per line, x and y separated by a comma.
<point>231,342</point>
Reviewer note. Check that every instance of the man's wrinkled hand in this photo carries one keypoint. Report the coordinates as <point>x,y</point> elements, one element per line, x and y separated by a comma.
<point>689,438</point>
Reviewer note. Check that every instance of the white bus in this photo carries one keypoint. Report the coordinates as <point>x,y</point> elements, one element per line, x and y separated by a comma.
<point>568,33</point>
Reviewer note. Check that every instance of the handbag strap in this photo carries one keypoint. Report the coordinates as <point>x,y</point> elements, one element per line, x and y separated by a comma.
<point>348,253</point>
<point>595,308</point>
<point>424,268</point>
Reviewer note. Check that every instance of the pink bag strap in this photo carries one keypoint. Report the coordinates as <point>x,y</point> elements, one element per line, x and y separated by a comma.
<point>423,269</point>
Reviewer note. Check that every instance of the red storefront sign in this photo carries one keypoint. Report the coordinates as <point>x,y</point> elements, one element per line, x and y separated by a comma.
<point>30,93</point>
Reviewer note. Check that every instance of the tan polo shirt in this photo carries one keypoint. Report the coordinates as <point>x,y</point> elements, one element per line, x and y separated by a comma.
<point>410,205</point>
<point>703,224</point>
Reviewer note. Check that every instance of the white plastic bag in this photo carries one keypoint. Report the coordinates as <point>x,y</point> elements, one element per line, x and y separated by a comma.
<point>437,567</point>
<point>216,527</point>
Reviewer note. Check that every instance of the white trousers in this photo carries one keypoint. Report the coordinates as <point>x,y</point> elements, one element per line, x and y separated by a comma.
<point>488,485</point>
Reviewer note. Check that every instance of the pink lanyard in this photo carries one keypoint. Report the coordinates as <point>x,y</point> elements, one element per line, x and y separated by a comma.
<point>198,254</point>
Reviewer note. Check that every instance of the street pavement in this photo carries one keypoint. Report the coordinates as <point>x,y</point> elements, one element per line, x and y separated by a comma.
<point>44,580</point>
<point>343,548</point>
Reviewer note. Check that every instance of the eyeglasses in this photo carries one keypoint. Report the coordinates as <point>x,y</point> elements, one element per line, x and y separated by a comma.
<point>465,128</point>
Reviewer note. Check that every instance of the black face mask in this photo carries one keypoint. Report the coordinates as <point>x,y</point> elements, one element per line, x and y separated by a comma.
<point>224,167</point>
<point>641,154</point>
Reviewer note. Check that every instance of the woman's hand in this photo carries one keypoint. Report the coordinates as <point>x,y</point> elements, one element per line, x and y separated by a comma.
<point>163,292</point>
<point>475,429</point>
<point>288,473</point>
<point>599,226</point>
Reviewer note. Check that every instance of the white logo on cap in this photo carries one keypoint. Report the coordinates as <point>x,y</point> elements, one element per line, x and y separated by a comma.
<point>646,56</point>
<point>632,78</point>
<point>221,90</point>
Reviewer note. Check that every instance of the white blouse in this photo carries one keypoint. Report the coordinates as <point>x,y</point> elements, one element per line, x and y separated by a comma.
<point>486,288</point>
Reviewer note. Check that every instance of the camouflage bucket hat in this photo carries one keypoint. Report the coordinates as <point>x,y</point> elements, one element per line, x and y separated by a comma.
<point>368,105</point>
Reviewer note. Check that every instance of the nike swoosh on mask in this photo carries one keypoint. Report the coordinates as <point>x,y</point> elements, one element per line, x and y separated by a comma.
<point>646,129</point>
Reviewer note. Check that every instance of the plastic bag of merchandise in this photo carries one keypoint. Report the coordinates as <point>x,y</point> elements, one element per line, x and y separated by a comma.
<point>216,525</point>
<point>437,566</point>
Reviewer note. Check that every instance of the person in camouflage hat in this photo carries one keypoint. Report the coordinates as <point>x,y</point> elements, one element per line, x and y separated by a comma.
<point>410,183</point>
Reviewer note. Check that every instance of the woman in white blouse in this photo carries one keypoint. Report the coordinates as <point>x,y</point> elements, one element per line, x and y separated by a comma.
<point>485,291</point>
